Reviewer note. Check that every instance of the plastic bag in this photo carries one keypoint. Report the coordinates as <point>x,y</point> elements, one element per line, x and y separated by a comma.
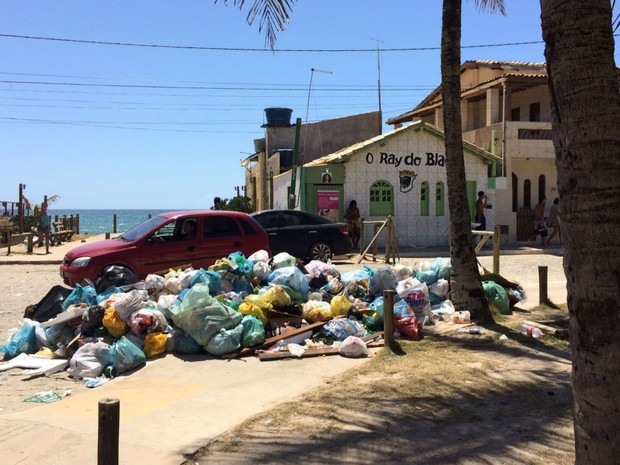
<point>283,260</point>
<point>92,318</point>
<point>342,328</point>
<point>154,283</point>
<point>357,275</point>
<point>340,305</point>
<point>383,279</point>
<point>253,331</point>
<point>79,295</point>
<point>409,326</point>
<point>225,341</point>
<point>183,343</point>
<point>154,344</point>
<point>292,277</point>
<point>124,355</point>
<point>353,346</point>
<point>23,341</point>
<point>245,266</point>
<point>317,310</point>
<point>277,296</point>
<point>147,321</point>
<point>259,256</point>
<point>128,303</point>
<point>114,275</point>
<point>498,297</point>
<point>211,278</point>
<point>249,309</point>
<point>113,323</point>
<point>89,360</point>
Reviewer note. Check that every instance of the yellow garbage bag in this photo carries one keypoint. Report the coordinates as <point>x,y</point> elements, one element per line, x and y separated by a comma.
<point>115,326</point>
<point>154,344</point>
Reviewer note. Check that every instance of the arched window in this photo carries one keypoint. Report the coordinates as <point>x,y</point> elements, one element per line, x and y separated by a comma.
<point>527,193</point>
<point>542,187</point>
<point>381,199</point>
<point>424,199</point>
<point>439,202</point>
<point>515,192</point>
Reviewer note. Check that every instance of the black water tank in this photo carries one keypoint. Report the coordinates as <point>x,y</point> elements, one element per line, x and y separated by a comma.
<point>278,116</point>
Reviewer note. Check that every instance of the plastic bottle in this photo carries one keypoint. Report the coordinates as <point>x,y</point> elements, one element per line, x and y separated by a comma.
<point>472,330</point>
<point>532,331</point>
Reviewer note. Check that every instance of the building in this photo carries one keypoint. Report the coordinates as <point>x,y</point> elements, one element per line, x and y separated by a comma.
<point>505,109</point>
<point>400,174</point>
<point>274,154</point>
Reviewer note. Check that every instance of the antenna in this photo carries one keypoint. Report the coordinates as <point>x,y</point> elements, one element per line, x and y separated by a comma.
<point>379,83</point>
<point>312,71</point>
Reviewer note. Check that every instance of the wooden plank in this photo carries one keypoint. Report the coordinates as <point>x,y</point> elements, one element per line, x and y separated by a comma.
<point>266,355</point>
<point>272,340</point>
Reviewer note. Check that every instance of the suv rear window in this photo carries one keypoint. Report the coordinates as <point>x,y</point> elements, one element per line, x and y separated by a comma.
<point>220,226</point>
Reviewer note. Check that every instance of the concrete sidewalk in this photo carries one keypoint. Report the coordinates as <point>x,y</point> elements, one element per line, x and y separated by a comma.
<point>19,254</point>
<point>169,408</point>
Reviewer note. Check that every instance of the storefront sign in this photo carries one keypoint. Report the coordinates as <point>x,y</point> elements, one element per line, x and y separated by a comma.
<point>428,159</point>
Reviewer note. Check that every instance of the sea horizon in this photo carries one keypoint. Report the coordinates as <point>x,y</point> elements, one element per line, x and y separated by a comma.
<point>101,220</point>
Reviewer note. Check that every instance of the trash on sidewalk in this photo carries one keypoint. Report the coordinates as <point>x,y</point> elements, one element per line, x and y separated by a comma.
<point>273,308</point>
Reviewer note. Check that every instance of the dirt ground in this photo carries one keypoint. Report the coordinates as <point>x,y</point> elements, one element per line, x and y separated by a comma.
<point>452,398</point>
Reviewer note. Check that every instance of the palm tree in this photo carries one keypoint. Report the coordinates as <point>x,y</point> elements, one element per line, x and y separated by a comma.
<point>585,113</point>
<point>466,290</point>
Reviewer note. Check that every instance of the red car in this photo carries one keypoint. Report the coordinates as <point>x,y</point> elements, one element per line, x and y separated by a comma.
<point>168,240</point>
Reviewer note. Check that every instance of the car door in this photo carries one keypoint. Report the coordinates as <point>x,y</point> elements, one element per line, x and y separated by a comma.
<point>169,247</point>
<point>220,235</point>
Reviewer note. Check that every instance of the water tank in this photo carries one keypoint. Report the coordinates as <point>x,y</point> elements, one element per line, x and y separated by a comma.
<point>278,116</point>
<point>259,145</point>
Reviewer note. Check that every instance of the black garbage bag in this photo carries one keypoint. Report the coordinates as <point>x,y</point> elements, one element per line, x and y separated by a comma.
<point>49,306</point>
<point>114,275</point>
<point>92,319</point>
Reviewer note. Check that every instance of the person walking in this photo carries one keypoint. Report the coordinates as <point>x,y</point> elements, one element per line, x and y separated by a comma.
<point>538,218</point>
<point>44,228</point>
<point>554,221</point>
<point>352,215</point>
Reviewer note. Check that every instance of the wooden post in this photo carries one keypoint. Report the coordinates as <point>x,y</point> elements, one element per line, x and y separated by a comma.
<point>375,249</point>
<point>109,420</point>
<point>107,235</point>
<point>496,246</point>
<point>114,223</point>
<point>361,243</point>
<point>388,317</point>
<point>30,248</point>
<point>542,285</point>
<point>77,223</point>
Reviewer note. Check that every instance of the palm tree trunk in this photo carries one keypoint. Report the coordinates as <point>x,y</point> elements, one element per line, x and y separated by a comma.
<point>466,289</point>
<point>585,106</point>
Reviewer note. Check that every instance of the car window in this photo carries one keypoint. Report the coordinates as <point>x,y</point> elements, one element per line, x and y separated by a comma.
<point>247,228</point>
<point>165,233</point>
<point>140,230</point>
<point>268,220</point>
<point>220,226</point>
<point>187,229</point>
<point>291,219</point>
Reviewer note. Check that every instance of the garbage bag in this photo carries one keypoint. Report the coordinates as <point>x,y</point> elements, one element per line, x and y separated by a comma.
<point>79,295</point>
<point>253,331</point>
<point>498,297</point>
<point>128,303</point>
<point>113,323</point>
<point>245,265</point>
<point>383,279</point>
<point>154,344</point>
<point>49,306</point>
<point>409,326</point>
<point>92,319</point>
<point>283,260</point>
<point>147,321</point>
<point>353,346</point>
<point>124,355</point>
<point>23,341</point>
<point>202,316</point>
<point>342,328</point>
<point>292,277</point>
<point>114,275</point>
<point>225,341</point>
<point>183,343</point>
<point>212,278</point>
<point>89,360</point>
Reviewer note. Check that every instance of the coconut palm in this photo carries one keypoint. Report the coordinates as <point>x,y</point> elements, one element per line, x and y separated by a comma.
<point>585,113</point>
<point>466,290</point>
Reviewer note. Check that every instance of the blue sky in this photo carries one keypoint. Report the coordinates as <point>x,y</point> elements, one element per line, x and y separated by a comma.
<point>117,126</point>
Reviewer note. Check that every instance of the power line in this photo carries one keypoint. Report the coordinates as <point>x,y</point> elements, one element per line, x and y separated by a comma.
<point>242,49</point>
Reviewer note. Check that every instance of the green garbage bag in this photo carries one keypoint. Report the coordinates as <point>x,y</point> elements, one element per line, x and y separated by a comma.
<point>498,297</point>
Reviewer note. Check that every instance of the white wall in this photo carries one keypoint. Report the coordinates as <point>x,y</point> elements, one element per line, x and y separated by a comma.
<point>412,229</point>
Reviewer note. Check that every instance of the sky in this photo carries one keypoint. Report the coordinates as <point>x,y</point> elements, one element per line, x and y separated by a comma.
<point>153,104</point>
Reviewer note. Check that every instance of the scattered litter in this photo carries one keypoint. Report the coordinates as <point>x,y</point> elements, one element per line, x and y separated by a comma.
<point>45,397</point>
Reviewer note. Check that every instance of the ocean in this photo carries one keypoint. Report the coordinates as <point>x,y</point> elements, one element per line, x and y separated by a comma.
<point>102,221</point>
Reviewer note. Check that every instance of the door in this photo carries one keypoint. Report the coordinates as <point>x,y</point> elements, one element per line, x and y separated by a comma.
<point>170,246</point>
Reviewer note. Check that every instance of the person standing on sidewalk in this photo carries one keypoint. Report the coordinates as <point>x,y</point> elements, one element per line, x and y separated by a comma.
<point>44,228</point>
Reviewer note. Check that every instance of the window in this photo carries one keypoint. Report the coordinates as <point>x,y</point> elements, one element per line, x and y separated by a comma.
<point>527,193</point>
<point>439,202</point>
<point>515,192</point>
<point>220,226</point>
<point>515,114</point>
<point>542,187</point>
<point>247,228</point>
<point>424,200</point>
<point>535,111</point>
<point>381,199</point>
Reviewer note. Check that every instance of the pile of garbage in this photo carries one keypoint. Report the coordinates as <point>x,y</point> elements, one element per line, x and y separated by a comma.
<point>114,324</point>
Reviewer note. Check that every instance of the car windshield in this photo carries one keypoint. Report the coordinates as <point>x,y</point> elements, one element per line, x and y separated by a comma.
<point>139,231</point>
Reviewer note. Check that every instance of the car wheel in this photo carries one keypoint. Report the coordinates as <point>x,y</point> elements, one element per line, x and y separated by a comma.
<point>321,251</point>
